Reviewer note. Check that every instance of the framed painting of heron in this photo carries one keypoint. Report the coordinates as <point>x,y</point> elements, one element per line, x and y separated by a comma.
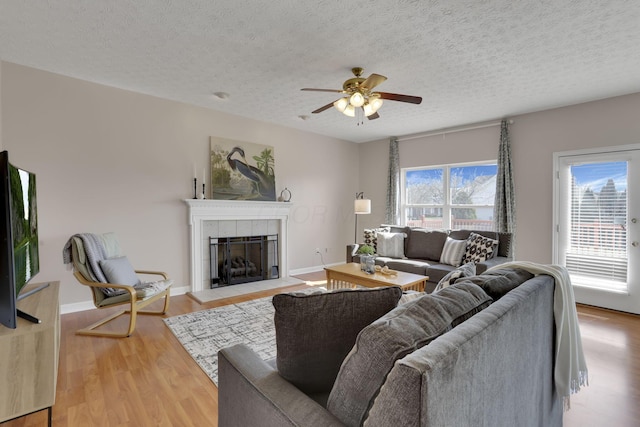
<point>242,170</point>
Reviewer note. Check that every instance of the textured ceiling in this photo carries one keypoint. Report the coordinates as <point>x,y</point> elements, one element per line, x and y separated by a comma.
<point>470,60</point>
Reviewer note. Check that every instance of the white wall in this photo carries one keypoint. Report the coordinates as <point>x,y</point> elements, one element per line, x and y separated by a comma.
<point>113,160</point>
<point>535,137</point>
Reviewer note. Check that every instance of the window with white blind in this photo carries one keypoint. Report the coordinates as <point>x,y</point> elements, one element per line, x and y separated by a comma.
<point>597,247</point>
<point>593,220</point>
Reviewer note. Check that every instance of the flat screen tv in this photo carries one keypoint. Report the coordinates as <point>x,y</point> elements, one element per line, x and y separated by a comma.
<point>19,260</point>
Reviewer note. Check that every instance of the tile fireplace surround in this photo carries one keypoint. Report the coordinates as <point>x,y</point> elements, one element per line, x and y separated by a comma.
<point>233,218</point>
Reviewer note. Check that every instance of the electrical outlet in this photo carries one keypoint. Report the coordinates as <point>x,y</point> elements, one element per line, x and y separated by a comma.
<point>317,250</point>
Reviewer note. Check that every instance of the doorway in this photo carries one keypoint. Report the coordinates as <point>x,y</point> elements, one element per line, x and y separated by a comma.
<point>596,211</point>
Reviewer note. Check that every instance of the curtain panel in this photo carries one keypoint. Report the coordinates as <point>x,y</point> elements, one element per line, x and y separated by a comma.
<point>504,212</point>
<point>392,214</point>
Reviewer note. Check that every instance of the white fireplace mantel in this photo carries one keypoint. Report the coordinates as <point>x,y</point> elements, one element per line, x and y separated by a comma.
<point>221,210</point>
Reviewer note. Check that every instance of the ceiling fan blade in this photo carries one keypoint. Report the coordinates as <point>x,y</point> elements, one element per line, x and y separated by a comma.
<point>401,98</point>
<point>323,108</point>
<point>323,90</point>
<point>373,116</point>
<point>372,81</point>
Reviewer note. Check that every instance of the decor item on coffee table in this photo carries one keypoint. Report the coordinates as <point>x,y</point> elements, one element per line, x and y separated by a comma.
<point>350,276</point>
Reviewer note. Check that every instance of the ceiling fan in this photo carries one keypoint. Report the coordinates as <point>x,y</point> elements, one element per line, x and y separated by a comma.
<point>359,93</point>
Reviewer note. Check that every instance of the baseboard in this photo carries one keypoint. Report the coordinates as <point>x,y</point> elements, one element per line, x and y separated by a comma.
<point>313,269</point>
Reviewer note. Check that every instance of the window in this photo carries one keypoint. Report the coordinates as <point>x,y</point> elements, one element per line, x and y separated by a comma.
<point>449,197</point>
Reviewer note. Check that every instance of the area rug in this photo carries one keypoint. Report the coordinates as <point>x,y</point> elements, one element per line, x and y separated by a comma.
<point>203,333</point>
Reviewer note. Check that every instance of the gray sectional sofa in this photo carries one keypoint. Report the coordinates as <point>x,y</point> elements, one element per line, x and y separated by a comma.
<point>489,364</point>
<point>423,250</point>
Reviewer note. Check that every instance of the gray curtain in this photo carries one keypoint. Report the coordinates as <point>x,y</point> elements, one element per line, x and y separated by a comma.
<point>392,215</point>
<point>504,210</point>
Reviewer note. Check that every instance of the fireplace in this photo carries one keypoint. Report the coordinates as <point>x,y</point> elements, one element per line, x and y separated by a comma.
<point>235,260</point>
<point>229,218</point>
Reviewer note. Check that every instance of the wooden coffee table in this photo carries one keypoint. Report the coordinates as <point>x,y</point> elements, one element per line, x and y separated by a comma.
<point>350,276</point>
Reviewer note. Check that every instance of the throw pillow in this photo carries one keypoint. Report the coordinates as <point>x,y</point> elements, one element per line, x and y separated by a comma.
<point>370,237</point>
<point>466,270</point>
<point>391,244</point>
<point>120,271</point>
<point>497,283</point>
<point>390,338</point>
<point>453,251</point>
<point>479,248</point>
<point>315,332</point>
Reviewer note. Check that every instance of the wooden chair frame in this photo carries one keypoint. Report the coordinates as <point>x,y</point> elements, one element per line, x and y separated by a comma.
<point>135,304</point>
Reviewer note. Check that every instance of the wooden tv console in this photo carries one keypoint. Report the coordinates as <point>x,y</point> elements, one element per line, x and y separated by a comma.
<point>29,356</point>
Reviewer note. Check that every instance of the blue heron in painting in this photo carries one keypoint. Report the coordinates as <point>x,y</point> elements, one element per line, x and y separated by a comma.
<point>262,183</point>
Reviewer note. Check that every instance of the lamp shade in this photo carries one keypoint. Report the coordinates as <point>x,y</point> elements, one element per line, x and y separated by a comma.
<point>349,111</point>
<point>362,206</point>
<point>341,104</point>
<point>357,99</point>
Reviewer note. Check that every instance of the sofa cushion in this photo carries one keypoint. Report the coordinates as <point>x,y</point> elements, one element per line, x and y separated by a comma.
<point>394,335</point>
<point>437,271</point>
<point>453,251</point>
<point>479,248</point>
<point>425,244</point>
<point>390,244</point>
<point>496,283</point>
<point>408,265</point>
<point>465,270</point>
<point>315,332</point>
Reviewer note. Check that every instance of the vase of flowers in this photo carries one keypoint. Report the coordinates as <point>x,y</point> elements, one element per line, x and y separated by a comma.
<point>367,258</point>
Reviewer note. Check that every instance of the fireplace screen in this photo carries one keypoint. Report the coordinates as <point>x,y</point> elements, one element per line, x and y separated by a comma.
<point>237,260</point>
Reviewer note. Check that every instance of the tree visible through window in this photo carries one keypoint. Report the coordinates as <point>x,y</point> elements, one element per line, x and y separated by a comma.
<point>449,197</point>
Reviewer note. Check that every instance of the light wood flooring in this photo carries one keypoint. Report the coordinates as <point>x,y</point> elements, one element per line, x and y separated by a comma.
<point>149,379</point>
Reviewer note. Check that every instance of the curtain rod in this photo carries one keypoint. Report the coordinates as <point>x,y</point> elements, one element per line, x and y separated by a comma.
<point>452,130</point>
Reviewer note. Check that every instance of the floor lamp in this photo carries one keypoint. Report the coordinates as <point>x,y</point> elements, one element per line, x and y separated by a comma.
<point>361,206</point>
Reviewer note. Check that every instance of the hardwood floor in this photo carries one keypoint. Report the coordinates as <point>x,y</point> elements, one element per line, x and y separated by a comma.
<point>149,379</point>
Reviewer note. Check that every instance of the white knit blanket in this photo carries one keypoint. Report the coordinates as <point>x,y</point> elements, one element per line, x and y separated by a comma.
<point>570,366</point>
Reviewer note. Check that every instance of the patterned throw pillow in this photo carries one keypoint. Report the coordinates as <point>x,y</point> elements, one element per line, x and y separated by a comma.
<point>370,236</point>
<point>466,270</point>
<point>453,251</point>
<point>391,244</point>
<point>479,248</point>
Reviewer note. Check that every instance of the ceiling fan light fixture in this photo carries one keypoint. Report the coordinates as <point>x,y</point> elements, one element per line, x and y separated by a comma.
<point>376,103</point>
<point>350,111</point>
<point>357,99</point>
<point>368,109</point>
<point>341,104</point>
